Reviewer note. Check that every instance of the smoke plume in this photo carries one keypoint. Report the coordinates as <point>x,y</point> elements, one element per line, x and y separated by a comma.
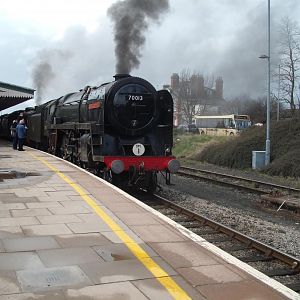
<point>43,71</point>
<point>41,74</point>
<point>131,20</point>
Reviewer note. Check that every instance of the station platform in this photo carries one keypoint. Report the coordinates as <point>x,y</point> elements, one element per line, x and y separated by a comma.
<point>66,234</point>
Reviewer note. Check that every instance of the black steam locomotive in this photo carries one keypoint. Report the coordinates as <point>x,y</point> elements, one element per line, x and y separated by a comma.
<point>121,130</point>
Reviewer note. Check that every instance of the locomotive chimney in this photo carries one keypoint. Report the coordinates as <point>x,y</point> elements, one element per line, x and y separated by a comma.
<point>121,76</point>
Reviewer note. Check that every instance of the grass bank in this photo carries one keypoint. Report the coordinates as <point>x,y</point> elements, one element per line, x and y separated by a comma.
<point>237,152</point>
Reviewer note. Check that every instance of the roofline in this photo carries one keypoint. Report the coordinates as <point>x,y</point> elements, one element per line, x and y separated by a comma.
<point>220,117</point>
<point>16,87</point>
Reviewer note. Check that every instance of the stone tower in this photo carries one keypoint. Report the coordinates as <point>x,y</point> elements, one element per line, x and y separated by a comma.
<point>175,81</point>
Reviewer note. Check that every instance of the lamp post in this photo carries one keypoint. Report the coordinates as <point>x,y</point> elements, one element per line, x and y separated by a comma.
<point>278,96</point>
<point>267,160</point>
<point>267,155</point>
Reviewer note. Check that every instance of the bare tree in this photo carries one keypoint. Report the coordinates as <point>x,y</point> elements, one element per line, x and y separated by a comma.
<point>289,61</point>
<point>191,96</point>
<point>187,95</point>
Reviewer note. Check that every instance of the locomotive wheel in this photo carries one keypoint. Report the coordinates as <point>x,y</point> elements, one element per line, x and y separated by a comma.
<point>52,141</point>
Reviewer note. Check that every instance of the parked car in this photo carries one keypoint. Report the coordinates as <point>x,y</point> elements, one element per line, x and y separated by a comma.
<point>190,128</point>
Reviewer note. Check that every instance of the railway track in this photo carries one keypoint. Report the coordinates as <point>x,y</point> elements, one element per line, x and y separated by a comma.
<point>270,192</point>
<point>268,260</point>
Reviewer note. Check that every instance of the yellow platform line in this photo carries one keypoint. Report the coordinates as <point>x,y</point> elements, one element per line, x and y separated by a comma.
<point>162,276</point>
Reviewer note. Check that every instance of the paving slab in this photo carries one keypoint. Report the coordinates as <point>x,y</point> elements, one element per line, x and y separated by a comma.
<point>110,291</point>
<point>122,270</point>
<point>212,274</point>
<point>93,218</point>
<point>115,239</point>
<point>2,249</point>
<point>157,233</point>
<point>35,296</point>
<point>52,198</point>
<point>89,227</point>
<point>5,214</point>
<point>8,283</point>
<point>116,252</point>
<point>69,210</point>
<point>59,219</point>
<point>43,204</point>
<point>32,194</point>
<point>238,291</point>
<point>19,199</point>
<point>81,240</point>
<point>184,254</point>
<point>19,261</point>
<point>10,231</point>
<point>30,212</point>
<point>154,290</point>
<point>62,193</point>
<point>77,203</point>
<point>30,243</point>
<point>52,229</point>
<point>69,256</point>
<point>6,206</point>
<point>18,221</point>
<point>7,196</point>
<point>124,207</point>
<point>51,278</point>
<point>138,218</point>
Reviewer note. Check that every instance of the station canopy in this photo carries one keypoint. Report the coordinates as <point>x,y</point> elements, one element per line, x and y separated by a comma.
<point>11,95</point>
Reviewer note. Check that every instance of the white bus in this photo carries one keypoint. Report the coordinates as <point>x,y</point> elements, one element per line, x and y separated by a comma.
<point>222,125</point>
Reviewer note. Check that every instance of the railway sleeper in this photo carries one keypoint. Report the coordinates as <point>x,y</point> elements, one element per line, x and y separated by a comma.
<point>294,286</point>
<point>181,220</point>
<point>234,248</point>
<point>199,230</point>
<point>191,225</point>
<point>219,239</point>
<point>156,206</point>
<point>256,258</point>
<point>281,272</point>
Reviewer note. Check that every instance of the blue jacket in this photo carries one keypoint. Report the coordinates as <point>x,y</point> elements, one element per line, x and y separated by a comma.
<point>21,131</point>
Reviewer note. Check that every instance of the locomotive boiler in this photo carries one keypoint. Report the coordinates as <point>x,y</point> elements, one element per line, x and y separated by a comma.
<point>121,130</point>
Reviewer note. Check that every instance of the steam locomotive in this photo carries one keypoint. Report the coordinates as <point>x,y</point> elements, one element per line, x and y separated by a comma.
<point>121,130</point>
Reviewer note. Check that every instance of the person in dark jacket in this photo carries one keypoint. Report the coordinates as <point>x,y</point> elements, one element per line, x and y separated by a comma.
<point>21,133</point>
<point>13,133</point>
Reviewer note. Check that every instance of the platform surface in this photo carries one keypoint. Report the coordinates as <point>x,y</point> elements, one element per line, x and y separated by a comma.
<point>65,234</point>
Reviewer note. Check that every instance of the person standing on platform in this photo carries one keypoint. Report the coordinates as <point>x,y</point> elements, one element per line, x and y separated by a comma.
<point>21,133</point>
<point>13,133</point>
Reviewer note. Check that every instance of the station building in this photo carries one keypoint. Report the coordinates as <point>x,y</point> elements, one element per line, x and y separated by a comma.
<point>11,95</point>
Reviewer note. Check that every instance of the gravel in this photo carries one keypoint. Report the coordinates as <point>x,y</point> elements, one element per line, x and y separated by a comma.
<point>239,210</point>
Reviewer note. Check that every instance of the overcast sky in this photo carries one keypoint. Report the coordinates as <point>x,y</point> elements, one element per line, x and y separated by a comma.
<point>217,37</point>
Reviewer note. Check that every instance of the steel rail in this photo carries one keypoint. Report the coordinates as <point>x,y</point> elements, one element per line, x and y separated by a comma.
<point>269,251</point>
<point>258,182</point>
<point>221,182</point>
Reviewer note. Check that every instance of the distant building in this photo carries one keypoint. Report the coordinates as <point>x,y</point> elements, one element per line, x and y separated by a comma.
<point>205,100</point>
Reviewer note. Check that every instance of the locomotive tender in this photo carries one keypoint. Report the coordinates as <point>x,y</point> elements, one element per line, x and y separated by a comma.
<point>121,130</point>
